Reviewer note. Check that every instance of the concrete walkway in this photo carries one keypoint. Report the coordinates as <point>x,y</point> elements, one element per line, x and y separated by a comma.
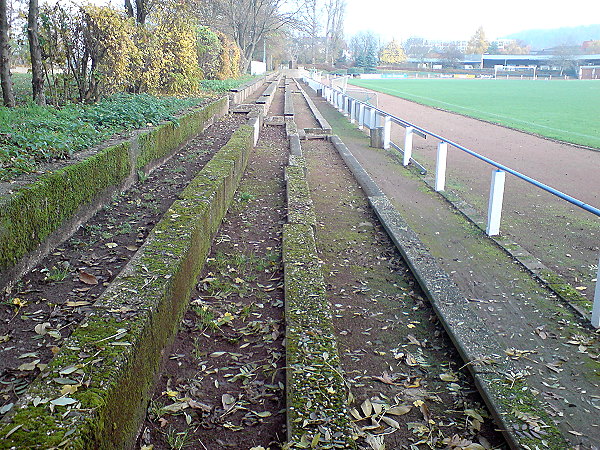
<point>551,346</point>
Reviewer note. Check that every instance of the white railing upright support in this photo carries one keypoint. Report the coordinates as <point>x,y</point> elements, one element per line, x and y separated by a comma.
<point>361,116</point>
<point>495,202</point>
<point>408,145</point>
<point>596,305</point>
<point>352,108</point>
<point>372,118</point>
<point>440,167</point>
<point>387,131</point>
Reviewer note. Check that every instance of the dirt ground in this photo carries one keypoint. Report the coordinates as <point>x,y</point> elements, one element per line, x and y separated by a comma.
<point>564,237</point>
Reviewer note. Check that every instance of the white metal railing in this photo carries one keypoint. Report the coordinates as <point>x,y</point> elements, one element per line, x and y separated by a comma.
<point>364,114</point>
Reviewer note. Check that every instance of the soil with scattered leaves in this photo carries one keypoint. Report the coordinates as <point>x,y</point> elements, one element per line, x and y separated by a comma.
<point>48,303</point>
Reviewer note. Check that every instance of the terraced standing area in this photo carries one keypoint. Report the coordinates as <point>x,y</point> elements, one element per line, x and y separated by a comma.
<point>243,297</point>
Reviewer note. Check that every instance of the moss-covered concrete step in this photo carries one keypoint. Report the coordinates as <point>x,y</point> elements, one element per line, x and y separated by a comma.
<point>317,412</point>
<point>94,393</point>
<point>300,205</point>
<point>38,215</point>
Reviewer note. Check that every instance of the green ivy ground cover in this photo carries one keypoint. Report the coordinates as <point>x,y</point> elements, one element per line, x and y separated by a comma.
<point>32,134</point>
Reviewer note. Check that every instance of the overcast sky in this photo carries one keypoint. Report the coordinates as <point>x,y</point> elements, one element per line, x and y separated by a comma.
<point>458,19</point>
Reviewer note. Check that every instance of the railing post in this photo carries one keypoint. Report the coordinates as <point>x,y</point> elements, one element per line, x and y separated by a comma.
<point>440,166</point>
<point>596,305</point>
<point>352,107</point>
<point>495,202</point>
<point>387,131</point>
<point>371,119</point>
<point>361,116</point>
<point>408,144</point>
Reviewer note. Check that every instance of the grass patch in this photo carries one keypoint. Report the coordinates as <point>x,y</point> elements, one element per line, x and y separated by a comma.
<point>565,110</point>
<point>224,85</point>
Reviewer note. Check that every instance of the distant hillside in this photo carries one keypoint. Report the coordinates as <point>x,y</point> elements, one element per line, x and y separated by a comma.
<point>541,39</point>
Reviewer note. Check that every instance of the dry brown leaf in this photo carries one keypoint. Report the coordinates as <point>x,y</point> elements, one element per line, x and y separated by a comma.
<point>391,422</point>
<point>399,410</point>
<point>87,278</point>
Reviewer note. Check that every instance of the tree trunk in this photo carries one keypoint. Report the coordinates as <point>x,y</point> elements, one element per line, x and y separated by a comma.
<point>5,78</point>
<point>37,71</point>
<point>129,8</point>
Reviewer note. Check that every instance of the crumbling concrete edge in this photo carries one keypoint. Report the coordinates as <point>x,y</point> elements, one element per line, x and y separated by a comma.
<point>481,352</point>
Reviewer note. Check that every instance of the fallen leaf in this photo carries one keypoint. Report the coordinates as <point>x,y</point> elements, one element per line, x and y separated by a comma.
<point>4,338</point>
<point>391,422</point>
<point>385,378</point>
<point>228,401</point>
<point>367,408</point>
<point>63,401</point>
<point>448,377</point>
<point>111,245</point>
<point>262,414</point>
<point>41,328</point>
<point>75,304</point>
<point>399,410</point>
<point>29,366</point>
<point>69,389</point>
<point>88,278</point>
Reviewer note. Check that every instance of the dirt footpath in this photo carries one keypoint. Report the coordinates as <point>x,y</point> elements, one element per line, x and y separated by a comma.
<point>564,237</point>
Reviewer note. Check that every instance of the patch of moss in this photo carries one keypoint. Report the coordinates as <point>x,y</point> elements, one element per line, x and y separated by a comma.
<point>565,290</point>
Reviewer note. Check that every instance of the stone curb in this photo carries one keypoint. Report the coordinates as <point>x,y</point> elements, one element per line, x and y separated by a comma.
<point>325,127</point>
<point>316,389</point>
<point>114,355</point>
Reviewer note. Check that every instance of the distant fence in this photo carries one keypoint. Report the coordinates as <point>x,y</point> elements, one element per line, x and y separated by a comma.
<point>367,115</point>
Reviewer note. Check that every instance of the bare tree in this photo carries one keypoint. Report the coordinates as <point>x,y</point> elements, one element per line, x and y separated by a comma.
<point>334,29</point>
<point>5,77</point>
<point>249,21</point>
<point>309,24</point>
<point>35,51</point>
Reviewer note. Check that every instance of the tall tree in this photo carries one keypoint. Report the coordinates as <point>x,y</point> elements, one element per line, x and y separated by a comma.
<point>478,44</point>
<point>140,9</point>
<point>365,47</point>
<point>309,17</point>
<point>334,28</point>
<point>35,51</point>
<point>249,21</point>
<point>5,77</point>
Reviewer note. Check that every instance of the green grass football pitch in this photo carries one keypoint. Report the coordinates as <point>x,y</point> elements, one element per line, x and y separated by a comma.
<point>567,110</point>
